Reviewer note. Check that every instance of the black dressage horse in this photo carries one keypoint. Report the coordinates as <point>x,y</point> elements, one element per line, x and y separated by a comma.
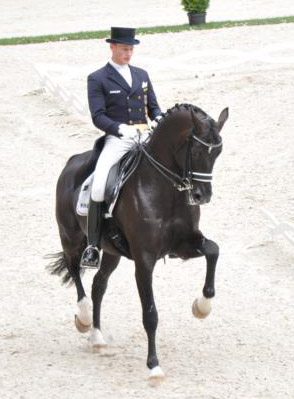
<point>157,214</point>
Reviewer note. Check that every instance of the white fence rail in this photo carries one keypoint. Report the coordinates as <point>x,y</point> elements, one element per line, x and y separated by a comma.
<point>52,85</point>
<point>279,228</point>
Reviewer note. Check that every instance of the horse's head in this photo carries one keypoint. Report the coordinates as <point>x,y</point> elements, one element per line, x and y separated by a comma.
<point>197,156</point>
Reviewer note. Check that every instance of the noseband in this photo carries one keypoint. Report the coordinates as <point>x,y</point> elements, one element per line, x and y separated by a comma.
<point>184,183</point>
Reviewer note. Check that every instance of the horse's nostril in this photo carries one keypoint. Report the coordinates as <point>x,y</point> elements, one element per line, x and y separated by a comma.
<point>197,196</point>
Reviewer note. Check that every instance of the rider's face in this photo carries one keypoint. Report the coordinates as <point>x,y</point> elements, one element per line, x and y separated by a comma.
<point>121,53</point>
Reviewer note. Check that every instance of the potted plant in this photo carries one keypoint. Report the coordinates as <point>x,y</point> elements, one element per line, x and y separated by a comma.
<point>196,10</point>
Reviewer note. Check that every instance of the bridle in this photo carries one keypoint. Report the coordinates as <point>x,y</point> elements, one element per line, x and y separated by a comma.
<point>185,182</point>
<point>203,177</point>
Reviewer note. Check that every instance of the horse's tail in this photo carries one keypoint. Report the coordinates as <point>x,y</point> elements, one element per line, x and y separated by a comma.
<point>59,267</point>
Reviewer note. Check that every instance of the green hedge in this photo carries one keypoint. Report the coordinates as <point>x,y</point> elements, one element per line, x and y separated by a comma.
<point>197,6</point>
<point>146,30</point>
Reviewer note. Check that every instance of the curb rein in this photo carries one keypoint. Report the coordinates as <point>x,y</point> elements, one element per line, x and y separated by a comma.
<point>184,183</point>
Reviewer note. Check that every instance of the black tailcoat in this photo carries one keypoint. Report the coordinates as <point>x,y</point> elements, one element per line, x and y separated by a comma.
<point>112,101</point>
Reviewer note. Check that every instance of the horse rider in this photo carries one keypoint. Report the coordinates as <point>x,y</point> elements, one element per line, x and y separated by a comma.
<point>121,98</point>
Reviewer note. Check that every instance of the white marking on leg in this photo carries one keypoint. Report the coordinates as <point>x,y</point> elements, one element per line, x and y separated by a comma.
<point>96,338</point>
<point>204,305</point>
<point>201,307</point>
<point>156,372</point>
<point>85,311</point>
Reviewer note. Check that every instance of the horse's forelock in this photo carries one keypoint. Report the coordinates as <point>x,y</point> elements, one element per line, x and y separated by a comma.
<point>212,126</point>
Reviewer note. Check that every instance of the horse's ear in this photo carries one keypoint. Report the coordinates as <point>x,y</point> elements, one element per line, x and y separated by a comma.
<point>197,123</point>
<point>223,118</point>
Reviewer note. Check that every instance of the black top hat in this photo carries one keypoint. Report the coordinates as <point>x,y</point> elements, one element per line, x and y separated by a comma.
<point>123,35</point>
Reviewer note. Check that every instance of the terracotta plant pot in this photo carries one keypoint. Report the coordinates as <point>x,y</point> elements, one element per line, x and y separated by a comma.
<point>196,19</point>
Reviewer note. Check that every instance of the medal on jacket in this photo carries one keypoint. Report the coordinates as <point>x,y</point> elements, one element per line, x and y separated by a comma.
<point>145,86</point>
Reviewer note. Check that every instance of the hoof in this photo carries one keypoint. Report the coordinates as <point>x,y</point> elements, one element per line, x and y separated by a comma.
<point>156,374</point>
<point>97,340</point>
<point>82,328</point>
<point>201,308</point>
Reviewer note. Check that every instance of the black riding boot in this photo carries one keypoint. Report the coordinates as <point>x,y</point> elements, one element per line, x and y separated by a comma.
<point>91,257</point>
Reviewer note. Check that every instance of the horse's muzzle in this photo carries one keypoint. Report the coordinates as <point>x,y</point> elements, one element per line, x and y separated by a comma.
<point>202,196</point>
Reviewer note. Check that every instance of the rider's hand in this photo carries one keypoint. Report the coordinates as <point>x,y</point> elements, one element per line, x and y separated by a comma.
<point>127,131</point>
<point>155,121</point>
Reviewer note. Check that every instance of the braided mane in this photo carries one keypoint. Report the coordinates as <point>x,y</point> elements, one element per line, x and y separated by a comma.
<point>201,115</point>
<point>181,107</point>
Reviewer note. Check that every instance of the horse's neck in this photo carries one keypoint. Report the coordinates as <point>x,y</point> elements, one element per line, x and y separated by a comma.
<point>152,187</point>
<point>168,136</point>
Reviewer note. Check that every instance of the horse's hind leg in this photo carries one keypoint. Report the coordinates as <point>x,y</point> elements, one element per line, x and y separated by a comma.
<point>108,265</point>
<point>202,307</point>
<point>72,253</point>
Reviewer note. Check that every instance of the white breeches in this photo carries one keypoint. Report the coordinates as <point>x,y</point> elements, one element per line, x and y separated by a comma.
<point>114,148</point>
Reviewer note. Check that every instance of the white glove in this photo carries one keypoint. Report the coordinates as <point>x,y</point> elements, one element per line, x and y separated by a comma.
<point>155,121</point>
<point>127,131</point>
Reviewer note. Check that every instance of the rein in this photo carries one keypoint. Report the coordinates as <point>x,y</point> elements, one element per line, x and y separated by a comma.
<point>184,183</point>
<point>180,183</point>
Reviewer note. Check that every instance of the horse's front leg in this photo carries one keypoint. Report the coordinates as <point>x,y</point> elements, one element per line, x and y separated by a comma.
<point>202,307</point>
<point>144,268</point>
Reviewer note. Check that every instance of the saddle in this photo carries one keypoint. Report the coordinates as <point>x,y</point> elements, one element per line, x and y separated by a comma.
<point>117,177</point>
<point>119,174</point>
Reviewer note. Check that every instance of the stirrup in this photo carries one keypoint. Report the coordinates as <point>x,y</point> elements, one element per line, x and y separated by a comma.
<point>90,258</point>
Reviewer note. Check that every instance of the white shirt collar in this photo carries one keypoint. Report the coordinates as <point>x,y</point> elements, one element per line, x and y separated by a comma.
<point>118,67</point>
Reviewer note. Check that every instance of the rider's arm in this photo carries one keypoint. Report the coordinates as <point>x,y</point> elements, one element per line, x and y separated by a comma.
<point>152,104</point>
<point>96,98</point>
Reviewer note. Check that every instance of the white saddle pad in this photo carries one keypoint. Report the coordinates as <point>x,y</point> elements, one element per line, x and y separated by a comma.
<point>84,196</point>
